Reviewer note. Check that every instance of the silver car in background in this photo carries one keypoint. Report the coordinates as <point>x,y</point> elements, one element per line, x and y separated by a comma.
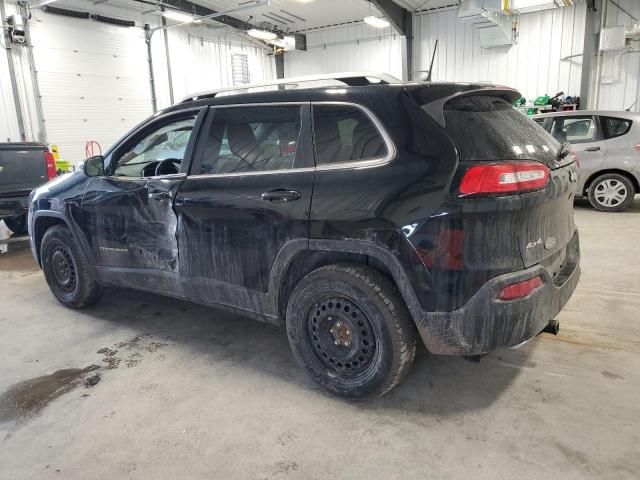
<point>607,146</point>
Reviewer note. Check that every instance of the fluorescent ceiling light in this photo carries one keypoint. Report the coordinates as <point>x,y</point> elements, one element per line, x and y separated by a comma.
<point>42,4</point>
<point>261,34</point>
<point>376,21</point>
<point>177,16</point>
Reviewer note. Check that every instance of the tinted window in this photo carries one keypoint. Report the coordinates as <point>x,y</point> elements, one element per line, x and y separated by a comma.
<point>250,139</point>
<point>484,127</point>
<point>168,142</point>
<point>574,129</point>
<point>614,127</point>
<point>344,133</point>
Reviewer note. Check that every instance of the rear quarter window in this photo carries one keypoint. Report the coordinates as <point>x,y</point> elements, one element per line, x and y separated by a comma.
<point>615,127</point>
<point>485,127</point>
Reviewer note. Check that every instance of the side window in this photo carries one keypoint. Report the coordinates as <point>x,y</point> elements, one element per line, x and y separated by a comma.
<point>167,144</point>
<point>615,127</point>
<point>344,134</point>
<point>574,129</point>
<point>249,139</point>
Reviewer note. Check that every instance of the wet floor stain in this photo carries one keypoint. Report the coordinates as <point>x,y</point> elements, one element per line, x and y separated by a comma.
<point>27,398</point>
<point>130,352</point>
<point>612,376</point>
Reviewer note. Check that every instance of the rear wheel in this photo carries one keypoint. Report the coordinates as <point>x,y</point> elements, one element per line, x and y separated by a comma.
<point>611,192</point>
<point>66,269</point>
<point>17,224</point>
<point>348,325</point>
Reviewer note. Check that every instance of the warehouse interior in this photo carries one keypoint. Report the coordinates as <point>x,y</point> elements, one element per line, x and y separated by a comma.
<point>188,391</point>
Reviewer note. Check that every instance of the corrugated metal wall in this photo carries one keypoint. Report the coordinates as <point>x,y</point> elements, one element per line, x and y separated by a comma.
<point>620,70</point>
<point>536,65</point>
<point>201,61</point>
<point>93,80</point>
<point>94,77</point>
<point>342,49</point>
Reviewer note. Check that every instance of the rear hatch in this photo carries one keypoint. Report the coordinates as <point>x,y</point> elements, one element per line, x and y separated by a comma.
<point>22,168</point>
<point>486,128</point>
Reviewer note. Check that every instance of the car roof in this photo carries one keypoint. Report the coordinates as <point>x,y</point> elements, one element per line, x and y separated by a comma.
<point>604,113</point>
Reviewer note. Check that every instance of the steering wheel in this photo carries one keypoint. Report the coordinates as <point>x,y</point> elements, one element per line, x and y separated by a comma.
<point>169,164</point>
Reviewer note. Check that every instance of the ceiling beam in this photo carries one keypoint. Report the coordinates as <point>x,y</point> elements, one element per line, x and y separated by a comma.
<point>399,17</point>
<point>402,21</point>
<point>195,9</point>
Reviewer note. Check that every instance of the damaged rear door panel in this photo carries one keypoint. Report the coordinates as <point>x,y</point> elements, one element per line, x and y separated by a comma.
<point>248,194</point>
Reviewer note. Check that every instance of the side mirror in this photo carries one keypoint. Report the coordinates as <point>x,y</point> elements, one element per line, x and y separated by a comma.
<point>94,166</point>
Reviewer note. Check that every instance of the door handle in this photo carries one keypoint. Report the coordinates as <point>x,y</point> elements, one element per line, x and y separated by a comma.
<point>281,196</point>
<point>160,195</point>
<point>592,149</point>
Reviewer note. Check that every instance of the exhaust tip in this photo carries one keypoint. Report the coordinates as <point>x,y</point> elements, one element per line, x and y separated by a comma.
<point>552,327</point>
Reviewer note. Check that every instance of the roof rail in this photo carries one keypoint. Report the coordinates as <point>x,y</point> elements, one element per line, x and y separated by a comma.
<point>353,79</point>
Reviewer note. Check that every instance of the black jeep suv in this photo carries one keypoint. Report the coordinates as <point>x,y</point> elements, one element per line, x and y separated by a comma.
<point>359,217</point>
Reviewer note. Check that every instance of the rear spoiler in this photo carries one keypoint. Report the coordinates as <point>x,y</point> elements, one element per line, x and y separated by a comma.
<point>435,108</point>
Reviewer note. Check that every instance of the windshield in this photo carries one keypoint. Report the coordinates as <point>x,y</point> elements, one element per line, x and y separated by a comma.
<point>488,128</point>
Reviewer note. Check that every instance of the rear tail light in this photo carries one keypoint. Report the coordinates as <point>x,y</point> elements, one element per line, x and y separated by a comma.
<point>514,177</point>
<point>50,163</point>
<point>520,289</point>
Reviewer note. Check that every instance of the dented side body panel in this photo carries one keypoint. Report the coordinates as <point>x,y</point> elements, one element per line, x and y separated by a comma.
<point>212,239</point>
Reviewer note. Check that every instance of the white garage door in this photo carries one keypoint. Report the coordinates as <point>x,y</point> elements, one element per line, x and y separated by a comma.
<point>93,79</point>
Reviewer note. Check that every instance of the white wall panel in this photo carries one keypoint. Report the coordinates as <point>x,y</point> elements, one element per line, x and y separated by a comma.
<point>536,65</point>
<point>93,80</point>
<point>353,48</point>
<point>201,60</point>
<point>620,70</point>
<point>9,131</point>
<point>94,77</point>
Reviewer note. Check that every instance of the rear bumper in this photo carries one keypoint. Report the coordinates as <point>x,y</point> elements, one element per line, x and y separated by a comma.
<point>13,206</point>
<point>486,323</point>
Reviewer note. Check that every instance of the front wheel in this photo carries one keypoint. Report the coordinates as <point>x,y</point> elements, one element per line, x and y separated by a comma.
<point>611,192</point>
<point>68,274</point>
<point>348,325</point>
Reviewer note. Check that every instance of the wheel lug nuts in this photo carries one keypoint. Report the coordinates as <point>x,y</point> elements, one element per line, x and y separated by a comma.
<point>338,324</point>
<point>348,332</point>
<point>346,344</point>
<point>331,330</point>
<point>337,342</point>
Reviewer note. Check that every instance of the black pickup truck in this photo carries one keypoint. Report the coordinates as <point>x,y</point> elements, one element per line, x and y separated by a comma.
<point>23,167</point>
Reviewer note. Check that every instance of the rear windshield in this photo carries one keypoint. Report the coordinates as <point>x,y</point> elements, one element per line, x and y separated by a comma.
<point>489,128</point>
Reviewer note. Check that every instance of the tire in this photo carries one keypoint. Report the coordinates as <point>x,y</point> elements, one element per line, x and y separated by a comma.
<point>17,224</point>
<point>68,274</point>
<point>611,192</point>
<point>349,327</point>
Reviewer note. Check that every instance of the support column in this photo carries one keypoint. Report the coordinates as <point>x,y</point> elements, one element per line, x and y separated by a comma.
<point>588,53</point>
<point>42,131</point>
<point>12,74</point>
<point>279,65</point>
<point>402,21</point>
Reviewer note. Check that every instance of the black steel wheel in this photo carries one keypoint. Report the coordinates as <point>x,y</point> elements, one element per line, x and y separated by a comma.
<point>68,274</point>
<point>341,335</point>
<point>348,325</point>
<point>64,270</point>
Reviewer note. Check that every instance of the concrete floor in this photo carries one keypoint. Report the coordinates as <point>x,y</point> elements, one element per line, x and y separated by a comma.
<point>197,393</point>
